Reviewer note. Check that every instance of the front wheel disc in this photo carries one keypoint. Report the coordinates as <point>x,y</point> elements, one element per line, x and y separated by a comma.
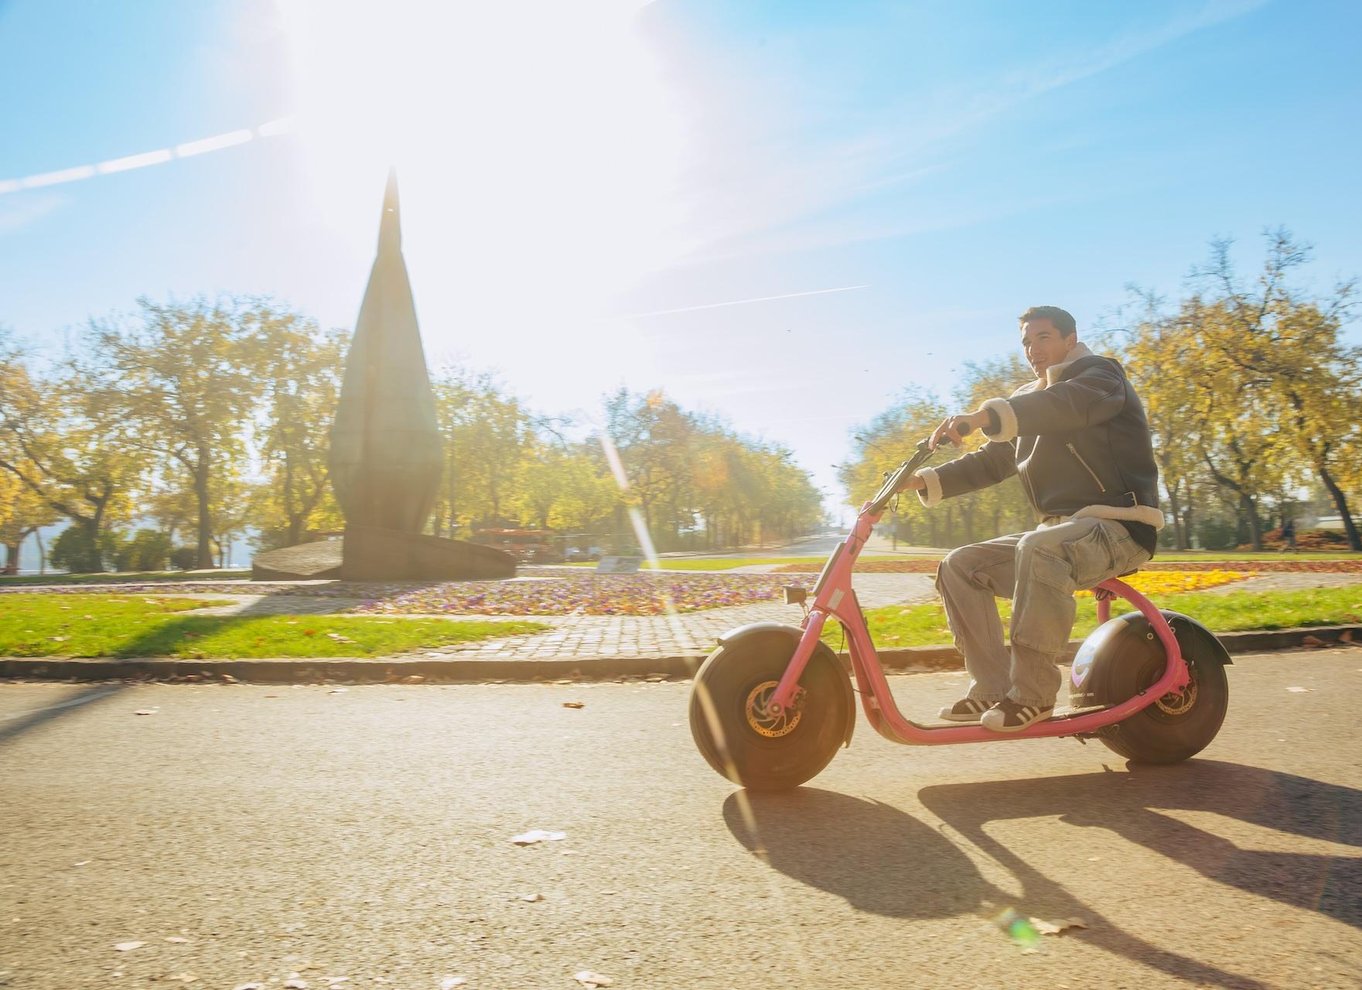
<point>765,724</point>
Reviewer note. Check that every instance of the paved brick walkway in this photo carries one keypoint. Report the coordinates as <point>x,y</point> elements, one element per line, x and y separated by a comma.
<point>588,636</point>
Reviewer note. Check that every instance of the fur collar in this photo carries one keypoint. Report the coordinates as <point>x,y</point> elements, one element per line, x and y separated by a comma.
<point>1052,373</point>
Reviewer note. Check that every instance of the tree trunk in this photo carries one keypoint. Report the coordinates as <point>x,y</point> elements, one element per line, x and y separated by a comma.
<point>11,558</point>
<point>1249,508</point>
<point>1341,503</point>
<point>1179,527</point>
<point>203,551</point>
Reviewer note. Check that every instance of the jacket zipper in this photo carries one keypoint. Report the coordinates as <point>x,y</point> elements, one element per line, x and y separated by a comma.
<point>1074,450</point>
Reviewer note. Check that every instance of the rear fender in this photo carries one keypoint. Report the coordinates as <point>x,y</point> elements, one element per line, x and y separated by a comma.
<point>1195,640</point>
<point>777,635</point>
<point>1123,655</point>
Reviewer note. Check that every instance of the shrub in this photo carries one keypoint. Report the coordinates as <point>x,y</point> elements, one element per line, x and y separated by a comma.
<point>184,558</point>
<point>75,550</point>
<point>148,550</point>
<point>1217,533</point>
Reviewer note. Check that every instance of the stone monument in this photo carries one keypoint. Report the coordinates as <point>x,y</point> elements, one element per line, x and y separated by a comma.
<point>386,454</point>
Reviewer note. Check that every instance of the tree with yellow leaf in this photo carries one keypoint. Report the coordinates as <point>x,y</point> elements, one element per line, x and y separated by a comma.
<point>1286,345</point>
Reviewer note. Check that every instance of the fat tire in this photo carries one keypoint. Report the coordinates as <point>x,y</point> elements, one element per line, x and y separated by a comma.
<point>1158,737</point>
<point>734,748</point>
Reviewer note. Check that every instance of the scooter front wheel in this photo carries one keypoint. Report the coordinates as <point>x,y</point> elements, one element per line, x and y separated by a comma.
<point>748,745</point>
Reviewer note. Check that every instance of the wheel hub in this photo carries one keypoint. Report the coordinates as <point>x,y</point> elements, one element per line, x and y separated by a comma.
<point>1178,702</point>
<point>765,723</point>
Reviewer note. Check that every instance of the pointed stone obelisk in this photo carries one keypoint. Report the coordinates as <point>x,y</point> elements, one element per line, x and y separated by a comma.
<point>385,454</point>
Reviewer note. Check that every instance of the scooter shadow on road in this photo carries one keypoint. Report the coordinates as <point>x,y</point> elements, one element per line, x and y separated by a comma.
<point>882,860</point>
<point>1130,805</point>
<point>16,725</point>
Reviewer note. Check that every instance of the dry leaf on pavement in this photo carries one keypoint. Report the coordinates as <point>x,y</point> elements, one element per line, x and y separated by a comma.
<point>589,979</point>
<point>574,704</point>
<point>129,946</point>
<point>450,982</point>
<point>537,835</point>
<point>1048,928</point>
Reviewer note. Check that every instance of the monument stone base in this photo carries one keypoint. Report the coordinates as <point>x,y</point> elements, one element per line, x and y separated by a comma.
<point>301,562</point>
<point>371,554</point>
<point>374,554</point>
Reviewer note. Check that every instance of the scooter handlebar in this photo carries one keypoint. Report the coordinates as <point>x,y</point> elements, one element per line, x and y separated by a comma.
<point>895,481</point>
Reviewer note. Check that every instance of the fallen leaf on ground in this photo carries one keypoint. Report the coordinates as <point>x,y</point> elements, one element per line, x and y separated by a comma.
<point>531,898</point>
<point>1313,641</point>
<point>1346,636</point>
<point>574,704</point>
<point>249,986</point>
<point>450,982</point>
<point>129,946</point>
<point>176,938</point>
<point>1297,690</point>
<point>83,862</point>
<point>537,835</point>
<point>145,711</point>
<point>589,979</point>
<point>338,691</point>
<point>182,978</point>
<point>295,984</point>
<point>1048,928</point>
<point>413,679</point>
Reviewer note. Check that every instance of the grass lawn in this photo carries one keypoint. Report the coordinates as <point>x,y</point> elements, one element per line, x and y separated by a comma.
<point>127,577</point>
<point>1234,555</point>
<point>135,626</point>
<point>925,625</point>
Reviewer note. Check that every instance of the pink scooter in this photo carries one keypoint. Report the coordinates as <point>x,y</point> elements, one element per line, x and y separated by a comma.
<point>772,704</point>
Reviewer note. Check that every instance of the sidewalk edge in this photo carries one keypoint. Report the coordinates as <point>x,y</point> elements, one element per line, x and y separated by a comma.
<point>454,670</point>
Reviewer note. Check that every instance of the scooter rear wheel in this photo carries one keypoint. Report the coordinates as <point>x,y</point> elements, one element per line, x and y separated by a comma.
<point>739,739</point>
<point>1177,726</point>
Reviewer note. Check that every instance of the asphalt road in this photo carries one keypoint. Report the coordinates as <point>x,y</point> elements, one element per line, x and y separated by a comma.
<point>247,833</point>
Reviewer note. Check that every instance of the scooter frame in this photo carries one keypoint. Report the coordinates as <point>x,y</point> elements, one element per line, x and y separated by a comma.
<point>834,597</point>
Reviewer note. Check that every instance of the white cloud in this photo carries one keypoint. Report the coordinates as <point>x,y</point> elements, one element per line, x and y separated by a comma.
<point>20,211</point>
<point>768,170</point>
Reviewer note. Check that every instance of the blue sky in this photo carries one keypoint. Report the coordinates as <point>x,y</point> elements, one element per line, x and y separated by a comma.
<point>618,192</point>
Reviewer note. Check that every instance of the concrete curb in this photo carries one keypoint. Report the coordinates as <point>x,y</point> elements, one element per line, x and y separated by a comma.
<point>453,670</point>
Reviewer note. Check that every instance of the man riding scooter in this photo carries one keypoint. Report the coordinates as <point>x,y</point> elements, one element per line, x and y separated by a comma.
<point>1078,438</point>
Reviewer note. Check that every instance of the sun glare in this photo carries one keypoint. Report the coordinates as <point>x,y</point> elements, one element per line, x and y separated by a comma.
<point>538,151</point>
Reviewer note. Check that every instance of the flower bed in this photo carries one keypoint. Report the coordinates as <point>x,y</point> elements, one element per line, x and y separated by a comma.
<point>587,594</point>
<point>927,565</point>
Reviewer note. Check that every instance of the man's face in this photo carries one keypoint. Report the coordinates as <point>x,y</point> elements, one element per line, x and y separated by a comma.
<point>1044,345</point>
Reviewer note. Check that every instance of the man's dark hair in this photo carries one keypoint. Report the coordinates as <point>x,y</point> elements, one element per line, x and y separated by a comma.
<point>1063,321</point>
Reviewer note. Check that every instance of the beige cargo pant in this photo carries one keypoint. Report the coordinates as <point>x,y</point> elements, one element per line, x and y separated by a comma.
<point>1039,571</point>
